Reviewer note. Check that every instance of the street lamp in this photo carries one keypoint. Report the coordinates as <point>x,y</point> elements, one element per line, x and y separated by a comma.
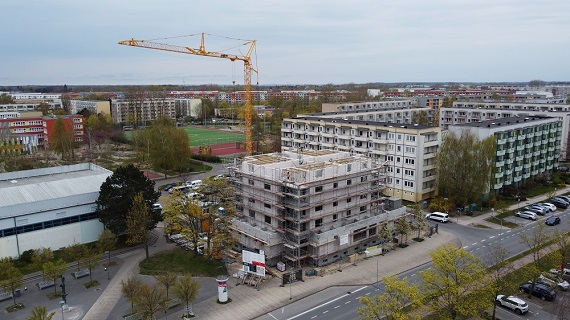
<point>107,273</point>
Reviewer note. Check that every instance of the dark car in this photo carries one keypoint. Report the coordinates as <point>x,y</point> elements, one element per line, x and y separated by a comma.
<point>559,203</point>
<point>539,290</point>
<point>169,186</point>
<point>552,220</point>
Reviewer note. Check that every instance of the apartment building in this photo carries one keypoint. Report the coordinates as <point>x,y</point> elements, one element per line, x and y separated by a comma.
<point>464,112</point>
<point>409,151</point>
<point>95,107</point>
<point>141,111</point>
<point>525,147</point>
<point>309,207</point>
<point>369,105</point>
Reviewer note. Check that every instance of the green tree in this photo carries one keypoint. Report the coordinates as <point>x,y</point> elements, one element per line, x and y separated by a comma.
<point>53,270</point>
<point>90,261</point>
<point>6,99</point>
<point>167,279</point>
<point>385,233</point>
<point>498,259</point>
<point>419,222</point>
<point>149,300</point>
<point>116,197</point>
<point>464,166</point>
<point>535,239</point>
<point>40,313</point>
<point>41,256</point>
<point>420,117</point>
<point>140,223</point>
<point>398,295</point>
<point>44,108</point>
<point>186,289</point>
<point>107,242</point>
<point>76,252</point>
<point>403,228</point>
<point>449,285</point>
<point>563,243</point>
<point>61,140</point>
<point>130,289</point>
<point>11,278</point>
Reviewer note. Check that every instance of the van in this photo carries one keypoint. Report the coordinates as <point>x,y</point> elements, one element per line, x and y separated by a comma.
<point>195,184</point>
<point>182,189</point>
<point>438,216</point>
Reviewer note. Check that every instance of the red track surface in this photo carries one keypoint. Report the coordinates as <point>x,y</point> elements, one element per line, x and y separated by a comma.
<point>222,149</point>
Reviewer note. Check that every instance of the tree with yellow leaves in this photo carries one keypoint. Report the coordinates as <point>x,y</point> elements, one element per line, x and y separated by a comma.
<point>390,305</point>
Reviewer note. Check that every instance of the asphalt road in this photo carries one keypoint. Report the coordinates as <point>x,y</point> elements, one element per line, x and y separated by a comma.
<point>340,303</point>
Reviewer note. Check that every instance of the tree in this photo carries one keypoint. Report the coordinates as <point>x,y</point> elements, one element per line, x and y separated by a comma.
<point>61,139</point>
<point>12,278</point>
<point>116,197</point>
<point>150,300</point>
<point>385,233</point>
<point>130,289</point>
<point>450,284</point>
<point>535,239</point>
<point>464,166</point>
<point>40,313</point>
<point>186,289</point>
<point>498,259</point>
<point>563,243</point>
<point>90,261</point>
<point>76,252</point>
<point>42,256</point>
<point>6,99</point>
<point>107,242</point>
<point>390,305</point>
<point>44,108</point>
<point>184,216</point>
<point>53,270</point>
<point>167,279</point>
<point>420,117</point>
<point>419,220</point>
<point>139,223</point>
<point>403,228</point>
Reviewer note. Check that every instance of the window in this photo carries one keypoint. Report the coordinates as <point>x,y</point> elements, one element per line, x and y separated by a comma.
<point>389,158</point>
<point>250,181</point>
<point>318,222</point>
<point>348,182</point>
<point>251,200</point>
<point>348,213</point>
<point>409,184</point>
<point>267,186</point>
<point>335,203</point>
<point>409,172</point>
<point>410,150</point>
<point>410,138</point>
<point>267,205</point>
<point>319,189</point>
<point>251,213</point>
<point>349,167</point>
<point>335,185</point>
<point>335,217</point>
<point>363,208</point>
<point>398,170</point>
<point>268,219</point>
<point>409,161</point>
<point>318,208</point>
<point>319,173</point>
<point>363,196</point>
<point>349,200</point>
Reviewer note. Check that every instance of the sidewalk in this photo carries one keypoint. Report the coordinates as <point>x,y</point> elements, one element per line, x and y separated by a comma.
<point>249,303</point>
<point>480,219</point>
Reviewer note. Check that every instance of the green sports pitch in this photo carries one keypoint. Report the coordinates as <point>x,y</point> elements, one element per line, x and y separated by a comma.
<point>205,137</point>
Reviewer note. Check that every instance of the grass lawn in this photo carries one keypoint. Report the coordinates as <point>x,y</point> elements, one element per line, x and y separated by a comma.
<point>182,261</point>
<point>201,137</point>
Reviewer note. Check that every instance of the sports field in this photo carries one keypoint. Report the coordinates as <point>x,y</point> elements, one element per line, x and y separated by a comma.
<point>205,137</point>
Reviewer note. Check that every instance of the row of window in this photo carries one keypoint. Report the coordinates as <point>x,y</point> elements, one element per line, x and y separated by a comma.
<point>47,224</point>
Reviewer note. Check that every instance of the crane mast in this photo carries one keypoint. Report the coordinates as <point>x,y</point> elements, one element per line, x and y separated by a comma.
<point>201,51</point>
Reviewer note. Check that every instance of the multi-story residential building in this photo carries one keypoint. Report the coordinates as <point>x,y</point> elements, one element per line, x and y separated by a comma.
<point>312,207</point>
<point>475,111</point>
<point>525,147</point>
<point>141,111</point>
<point>364,106</point>
<point>409,151</point>
<point>94,107</point>
<point>34,132</point>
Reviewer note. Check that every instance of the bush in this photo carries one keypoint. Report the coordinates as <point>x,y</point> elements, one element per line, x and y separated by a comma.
<point>419,239</point>
<point>402,245</point>
<point>206,158</point>
<point>15,307</point>
<point>26,256</point>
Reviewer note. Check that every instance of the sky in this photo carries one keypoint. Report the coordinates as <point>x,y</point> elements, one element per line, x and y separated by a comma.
<point>297,42</point>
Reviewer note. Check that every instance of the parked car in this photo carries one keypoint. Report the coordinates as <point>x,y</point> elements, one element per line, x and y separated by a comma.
<point>536,209</point>
<point>540,290</point>
<point>567,198</point>
<point>518,305</point>
<point>527,215</point>
<point>169,186</point>
<point>554,281</point>
<point>552,220</point>
<point>541,205</point>
<point>156,207</point>
<point>559,202</point>
<point>549,205</point>
<point>564,273</point>
<point>438,216</point>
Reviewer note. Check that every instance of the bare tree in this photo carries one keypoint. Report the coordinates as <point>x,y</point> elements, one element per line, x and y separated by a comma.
<point>499,267</point>
<point>130,289</point>
<point>535,239</point>
<point>167,279</point>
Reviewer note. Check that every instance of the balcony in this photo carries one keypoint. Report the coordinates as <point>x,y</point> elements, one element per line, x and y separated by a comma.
<point>519,158</point>
<point>498,175</point>
<point>501,141</point>
<point>498,186</point>
<point>499,164</point>
<point>526,175</point>
<point>509,161</point>
<point>511,139</point>
<point>517,179</point>
<point>501,153</point>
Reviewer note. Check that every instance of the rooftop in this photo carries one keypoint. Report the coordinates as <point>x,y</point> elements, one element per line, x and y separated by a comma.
<point>378,125</point>
<point>506,121</point>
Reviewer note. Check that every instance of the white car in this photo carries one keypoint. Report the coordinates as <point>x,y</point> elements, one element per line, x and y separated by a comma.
<point>527,215</point>
<point>554,281</point>
<point>549,205</point>
<point>518,305</point>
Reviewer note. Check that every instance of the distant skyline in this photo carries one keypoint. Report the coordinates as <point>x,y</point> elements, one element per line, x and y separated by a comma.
<point>298,42</point>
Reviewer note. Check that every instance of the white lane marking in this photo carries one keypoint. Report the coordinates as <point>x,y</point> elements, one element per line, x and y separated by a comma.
<point>282,309</point>
<point>326,303</point>
<point>272,316</point>
<point>474,243</point>
<point>347,302</point>
<point>336,307</point>
<point>465,247</point>
<point>325,311</point>
<point>313,317</point>
<point>483,240</point>
<point>491,237</point>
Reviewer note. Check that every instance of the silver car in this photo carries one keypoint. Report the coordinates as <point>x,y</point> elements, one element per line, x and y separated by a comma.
<point>527,215</point>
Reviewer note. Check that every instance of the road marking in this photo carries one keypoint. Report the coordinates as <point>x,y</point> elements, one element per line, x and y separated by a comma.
<point>482,240</point>
<point>272,316</point>
<point>326,303</point>
<point>491,237</point>
<point>313,317</point>
<point>413,275</point>
<point>465,247</point>
<point>474,243</point>
<point>336,307</point>
<point>325,311</point>
<point>367,294</point>
<point>282,309</point>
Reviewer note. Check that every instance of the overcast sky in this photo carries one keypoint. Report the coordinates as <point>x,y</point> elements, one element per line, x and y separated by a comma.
<point>298,42</point>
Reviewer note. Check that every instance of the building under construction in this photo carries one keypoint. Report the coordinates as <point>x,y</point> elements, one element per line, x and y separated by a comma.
<point>311,207</point>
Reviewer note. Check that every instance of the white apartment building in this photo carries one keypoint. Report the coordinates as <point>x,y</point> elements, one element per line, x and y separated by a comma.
<point>140,111</point>
<point>309,207</point>
<point>525,147</point>
<point>464,112</point>
<point>409,151</point>
<point>369,105</point>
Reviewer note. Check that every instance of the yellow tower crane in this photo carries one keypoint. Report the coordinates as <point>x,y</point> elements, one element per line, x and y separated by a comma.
<point>247,68</point>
